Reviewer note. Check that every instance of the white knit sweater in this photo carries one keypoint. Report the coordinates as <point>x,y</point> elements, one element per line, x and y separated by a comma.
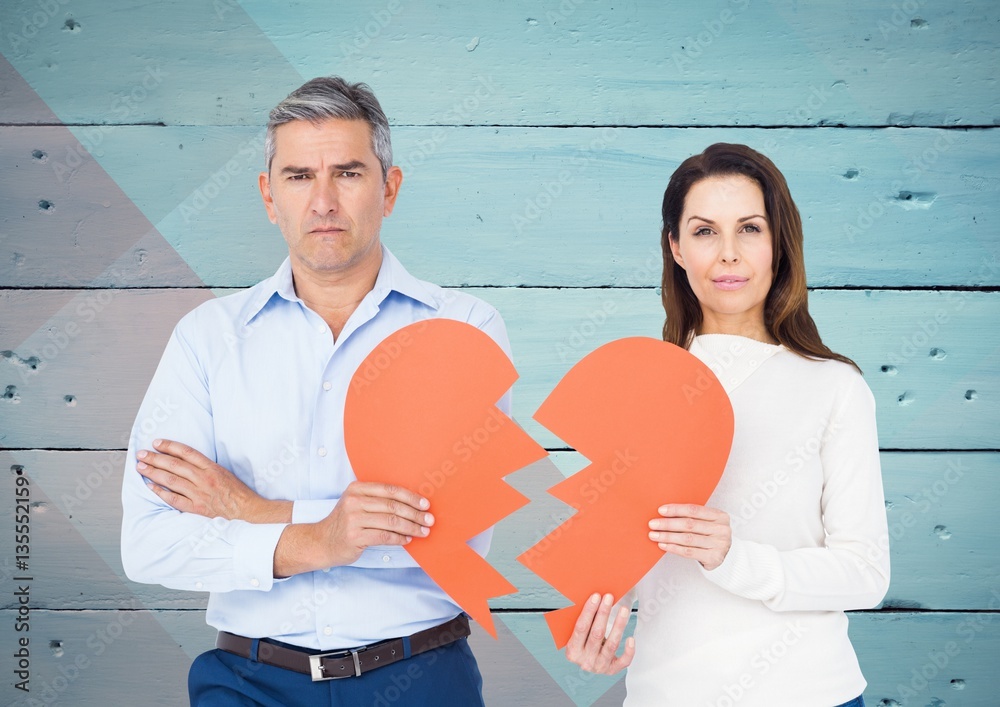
<point>803,488</point>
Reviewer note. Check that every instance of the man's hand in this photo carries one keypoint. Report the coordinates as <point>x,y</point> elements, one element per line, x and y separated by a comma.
<point>367,514</point>
<point>192,483</point>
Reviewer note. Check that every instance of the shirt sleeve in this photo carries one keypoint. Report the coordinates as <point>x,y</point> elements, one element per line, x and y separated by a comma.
<point>851,569</point>
<point>161,545</point>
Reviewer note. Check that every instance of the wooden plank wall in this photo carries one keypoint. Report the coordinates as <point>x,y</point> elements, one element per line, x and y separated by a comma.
<point>536,140</point>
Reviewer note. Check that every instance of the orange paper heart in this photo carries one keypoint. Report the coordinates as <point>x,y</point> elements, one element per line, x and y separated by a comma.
<point>421,413</point>
<point>657,427</point>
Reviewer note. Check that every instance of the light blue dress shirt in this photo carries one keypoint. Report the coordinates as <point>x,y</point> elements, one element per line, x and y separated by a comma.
<point>256,382</point>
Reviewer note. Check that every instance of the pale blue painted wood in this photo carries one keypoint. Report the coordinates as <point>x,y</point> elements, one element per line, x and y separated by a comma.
<point>722,62</point>
<point>939,351</point>
<point>480,206</point>
<point>956,652</point>
<point>940,510</point>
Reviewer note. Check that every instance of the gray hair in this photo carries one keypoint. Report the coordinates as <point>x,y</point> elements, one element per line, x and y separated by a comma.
<point>332,97</point>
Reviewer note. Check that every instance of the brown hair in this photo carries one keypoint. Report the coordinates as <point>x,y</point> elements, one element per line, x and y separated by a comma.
<point>786,312</point>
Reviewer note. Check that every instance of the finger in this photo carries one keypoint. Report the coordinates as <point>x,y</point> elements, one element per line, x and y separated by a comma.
<point>689,540</point>
<point>581,629</point>
<point>613,639</point>
<point>690,510</point>
<point>397,493</point>
<point>387,506</point>
<point>590,657</point>
<point>175,466</point>
<point>174,500</point>
<point>394,524</point>
<point>182,451</point>
<point>625,659</point>
<point>165,479</point>
<point>687,525</point>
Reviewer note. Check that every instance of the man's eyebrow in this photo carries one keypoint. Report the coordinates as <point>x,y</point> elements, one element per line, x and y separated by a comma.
<point>346,167</point>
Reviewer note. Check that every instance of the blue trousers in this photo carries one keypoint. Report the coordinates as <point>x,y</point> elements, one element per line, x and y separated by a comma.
<point>443,677</point>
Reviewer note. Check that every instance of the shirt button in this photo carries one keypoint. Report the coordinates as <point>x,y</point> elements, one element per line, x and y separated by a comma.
<point>385,558</point>
<point>327,385</point>
<point>327,631</point>
<point>254,583</point>
<point>321,329</point>
<point>198,585</point>
<point>326,569</point>
<point>321,451</point>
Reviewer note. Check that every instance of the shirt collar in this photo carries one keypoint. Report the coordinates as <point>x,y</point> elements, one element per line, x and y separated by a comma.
<point>392,277</point>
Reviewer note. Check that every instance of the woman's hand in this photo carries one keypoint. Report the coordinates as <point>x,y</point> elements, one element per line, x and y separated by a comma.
<point>698,532</point>
<point>587,646</point>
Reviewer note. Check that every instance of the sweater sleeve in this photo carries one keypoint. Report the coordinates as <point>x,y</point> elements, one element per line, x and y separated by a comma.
<point>851,569</point>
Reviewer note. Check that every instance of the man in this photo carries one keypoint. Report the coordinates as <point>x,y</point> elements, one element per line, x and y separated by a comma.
<point>299,557</point>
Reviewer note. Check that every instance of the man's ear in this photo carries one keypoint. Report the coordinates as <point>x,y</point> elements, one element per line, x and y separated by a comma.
<point>675,249</point>
<point>393,179</point>
<point>264,182</point>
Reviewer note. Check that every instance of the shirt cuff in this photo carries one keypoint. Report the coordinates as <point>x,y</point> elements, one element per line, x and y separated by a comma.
<point>312,510</point>
<point>253,558</point>
<point>750,570</point>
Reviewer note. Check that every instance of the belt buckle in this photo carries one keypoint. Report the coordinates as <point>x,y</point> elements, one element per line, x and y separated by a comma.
<point>316,664</point>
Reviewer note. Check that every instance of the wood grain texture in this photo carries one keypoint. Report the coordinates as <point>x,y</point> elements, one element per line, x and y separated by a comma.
<point>573,62</point>
<point>916,657</point>
<point>939,352</point>
<point>516,186</point>
<point>499,207</point>
<point>942,534</point>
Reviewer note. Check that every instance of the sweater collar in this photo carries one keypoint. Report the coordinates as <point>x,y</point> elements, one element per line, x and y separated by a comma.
<point>733,359</point>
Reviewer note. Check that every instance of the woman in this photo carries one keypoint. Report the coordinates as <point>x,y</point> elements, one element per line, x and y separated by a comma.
<point>746,607</point>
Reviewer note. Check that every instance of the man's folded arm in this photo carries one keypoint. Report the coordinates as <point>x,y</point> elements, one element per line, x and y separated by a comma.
<point>161,545</point>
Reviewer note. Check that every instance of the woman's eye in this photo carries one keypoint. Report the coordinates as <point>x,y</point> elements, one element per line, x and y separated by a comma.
<point>753,227</point>
<point>703,231</point>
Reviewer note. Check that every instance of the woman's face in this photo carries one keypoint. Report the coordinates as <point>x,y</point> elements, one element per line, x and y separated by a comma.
<point>724,245</point>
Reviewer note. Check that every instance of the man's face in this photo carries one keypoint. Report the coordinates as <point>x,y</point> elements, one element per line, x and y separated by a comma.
<point>326,193</point>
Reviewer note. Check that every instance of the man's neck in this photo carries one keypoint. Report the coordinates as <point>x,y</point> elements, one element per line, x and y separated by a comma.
<point>334,295</point>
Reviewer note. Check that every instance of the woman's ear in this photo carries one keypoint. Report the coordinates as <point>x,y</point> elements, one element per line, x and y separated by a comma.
<point>675,249</point>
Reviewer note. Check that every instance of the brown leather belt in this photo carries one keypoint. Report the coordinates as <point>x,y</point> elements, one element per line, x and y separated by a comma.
<point>346,663</point>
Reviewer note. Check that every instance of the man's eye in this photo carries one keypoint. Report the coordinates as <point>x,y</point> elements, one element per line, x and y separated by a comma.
<point>350,174</point>
<point>298,177</point>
